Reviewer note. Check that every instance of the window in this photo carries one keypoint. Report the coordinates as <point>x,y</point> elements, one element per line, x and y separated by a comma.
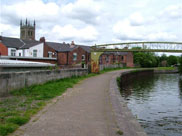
<point>122,58</point>
<point>13,52</point>
<point>107,58</point>
<point>74,56</point>
<point>83,57</point>
<point>34,53</point>
<point>50,54</point>
<point>22,33</point>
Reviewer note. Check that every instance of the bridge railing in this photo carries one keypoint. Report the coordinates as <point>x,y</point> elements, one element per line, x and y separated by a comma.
<point>141,46</point>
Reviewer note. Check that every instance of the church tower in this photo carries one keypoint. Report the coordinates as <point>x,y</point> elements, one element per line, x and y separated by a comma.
<point>27,30</point>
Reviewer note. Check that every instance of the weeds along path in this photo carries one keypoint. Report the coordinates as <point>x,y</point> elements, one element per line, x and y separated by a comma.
<point>84,110</point>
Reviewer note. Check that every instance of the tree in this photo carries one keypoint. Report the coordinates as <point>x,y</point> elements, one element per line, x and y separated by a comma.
<point>172,60</point>
<point>180,65</point>
<point>145,59</point>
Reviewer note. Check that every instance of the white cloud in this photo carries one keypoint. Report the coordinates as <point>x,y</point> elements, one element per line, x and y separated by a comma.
<point>32,9</point>
<point>84,10</point>
<point>134,28</point>
<point>9,30</point>
<point>125,31</point>
<point>68,33</point>
<point>172,12</point>
<point>161,36</point>
<point>136,19</point>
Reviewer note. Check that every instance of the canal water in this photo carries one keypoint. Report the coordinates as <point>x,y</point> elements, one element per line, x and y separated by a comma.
<point>156,101</point>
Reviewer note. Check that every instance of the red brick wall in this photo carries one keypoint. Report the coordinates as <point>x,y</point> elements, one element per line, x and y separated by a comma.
<point>65,59</point>
<point>62,58</point>
<point>79,52</point>
<point>47,49</point>
<point>3,50</point>
<point>129,60</point>
<point>125,59</point>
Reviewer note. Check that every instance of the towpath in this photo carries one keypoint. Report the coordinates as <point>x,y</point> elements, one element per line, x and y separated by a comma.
<point>84,110</point>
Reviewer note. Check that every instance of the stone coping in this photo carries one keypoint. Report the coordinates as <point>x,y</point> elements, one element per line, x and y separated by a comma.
<point>126,122</point>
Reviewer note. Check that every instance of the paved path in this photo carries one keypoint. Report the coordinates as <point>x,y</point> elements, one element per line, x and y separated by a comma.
<point>84,110</point>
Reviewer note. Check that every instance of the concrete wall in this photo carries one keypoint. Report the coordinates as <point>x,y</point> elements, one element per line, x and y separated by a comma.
<point>17,80</point>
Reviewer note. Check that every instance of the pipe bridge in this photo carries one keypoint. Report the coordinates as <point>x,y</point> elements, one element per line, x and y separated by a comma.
<point>175,47</point>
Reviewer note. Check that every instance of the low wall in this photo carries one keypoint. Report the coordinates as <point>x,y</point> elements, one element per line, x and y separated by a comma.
<point>17,80</point>
<point>125,120</point>
<point>128,77</point>
<point>166,71</point>
<point>101,67</point>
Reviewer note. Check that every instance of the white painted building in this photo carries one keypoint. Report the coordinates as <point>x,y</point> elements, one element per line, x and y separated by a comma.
<point>34,51</point>
<point>24,48</point>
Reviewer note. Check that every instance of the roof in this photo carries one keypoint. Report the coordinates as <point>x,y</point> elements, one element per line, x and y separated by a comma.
<point>18,43</point>
<point>86,48</point>
<point>64,47</point>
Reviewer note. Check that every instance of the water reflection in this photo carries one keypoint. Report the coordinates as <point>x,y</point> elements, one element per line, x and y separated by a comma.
<point>156,101</point>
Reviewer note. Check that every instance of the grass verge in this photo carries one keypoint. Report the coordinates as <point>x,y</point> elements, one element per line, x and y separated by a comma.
<point>17,108</point>
<point>165,68</point>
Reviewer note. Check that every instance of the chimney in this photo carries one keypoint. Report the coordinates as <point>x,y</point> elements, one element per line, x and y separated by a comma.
<point>72,44</point>
<point>42,39</point>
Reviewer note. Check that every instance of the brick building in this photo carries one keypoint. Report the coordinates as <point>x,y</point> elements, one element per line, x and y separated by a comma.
<point>111,58</point>
<point>70,55</point>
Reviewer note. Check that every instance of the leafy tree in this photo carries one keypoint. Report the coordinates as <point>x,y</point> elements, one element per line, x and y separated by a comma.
<point>180,65</point>
<point>163,57</point>
<point>172,60</point>
<point>145,59</point>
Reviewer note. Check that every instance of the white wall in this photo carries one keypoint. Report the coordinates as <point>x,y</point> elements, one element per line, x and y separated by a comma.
<point>29,52</point>
<point>39,48</point>
<point>9,51</point>
<point>19,51</point>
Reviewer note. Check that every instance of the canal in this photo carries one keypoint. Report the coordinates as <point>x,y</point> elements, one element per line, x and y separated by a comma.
<point>156,101</point>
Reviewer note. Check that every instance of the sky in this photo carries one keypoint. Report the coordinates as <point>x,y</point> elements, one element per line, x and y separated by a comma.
<point>91,22</point>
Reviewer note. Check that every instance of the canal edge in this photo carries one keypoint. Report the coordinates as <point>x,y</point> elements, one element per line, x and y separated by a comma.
<point>125,120</point>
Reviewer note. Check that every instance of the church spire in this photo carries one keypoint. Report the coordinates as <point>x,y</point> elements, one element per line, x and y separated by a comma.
<point>34,23</point>
<point>26,22</point>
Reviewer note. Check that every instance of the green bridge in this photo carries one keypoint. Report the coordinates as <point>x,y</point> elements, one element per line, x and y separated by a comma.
<point>175,47</point>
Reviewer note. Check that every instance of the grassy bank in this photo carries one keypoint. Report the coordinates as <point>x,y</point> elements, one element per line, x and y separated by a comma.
<point>166,68</point>
<point>20,105</point>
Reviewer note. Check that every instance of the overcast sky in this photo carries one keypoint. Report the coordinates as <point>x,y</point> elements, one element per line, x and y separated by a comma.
<point>95,21</point>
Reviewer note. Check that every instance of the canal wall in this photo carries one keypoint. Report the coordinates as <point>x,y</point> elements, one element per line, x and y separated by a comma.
<point>16,80</point>
<point>125,120</point>
<point>128,77</point>
<point>166,71</point>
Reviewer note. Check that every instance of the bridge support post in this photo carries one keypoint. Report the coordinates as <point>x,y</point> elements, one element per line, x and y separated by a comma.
<point>95,61</point>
